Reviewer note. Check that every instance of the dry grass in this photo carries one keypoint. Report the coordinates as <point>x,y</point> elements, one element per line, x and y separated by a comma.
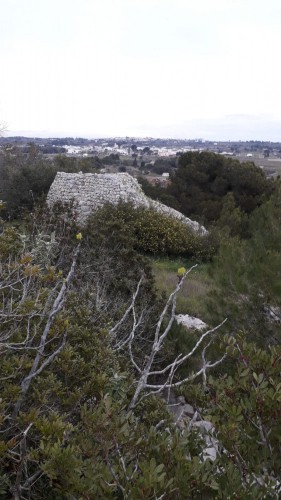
<point>197,285</point>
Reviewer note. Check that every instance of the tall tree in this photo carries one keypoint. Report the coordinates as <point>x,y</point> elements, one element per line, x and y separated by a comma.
<point>247,276</point>
<point>202,180</point>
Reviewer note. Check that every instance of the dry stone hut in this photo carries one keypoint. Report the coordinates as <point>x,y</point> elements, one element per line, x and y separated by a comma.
<point>89,192</point>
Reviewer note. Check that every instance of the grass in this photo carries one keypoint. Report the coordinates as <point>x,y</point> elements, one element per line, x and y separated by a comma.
<point>194,290</point>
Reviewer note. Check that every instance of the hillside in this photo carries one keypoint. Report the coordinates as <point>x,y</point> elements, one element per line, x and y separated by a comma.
<point>103,394</point>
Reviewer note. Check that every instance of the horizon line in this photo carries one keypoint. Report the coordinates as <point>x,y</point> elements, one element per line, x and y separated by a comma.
<point>88,137</point>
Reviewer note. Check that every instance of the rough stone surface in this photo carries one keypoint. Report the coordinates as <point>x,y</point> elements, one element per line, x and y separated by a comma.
<point>89,192</point>
<point>190,322</point>
<point>207,431</point>
<point>186,417</point>
<point>205,428</point>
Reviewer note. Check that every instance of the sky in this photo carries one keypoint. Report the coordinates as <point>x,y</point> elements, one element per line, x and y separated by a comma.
<point>141,68</point>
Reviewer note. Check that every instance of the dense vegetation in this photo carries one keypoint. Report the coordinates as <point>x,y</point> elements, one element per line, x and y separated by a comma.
<point>201,182</point>
<point>156,233</point>
<point>26,175</point>
<point>87,350</point>
<point>247,274</point>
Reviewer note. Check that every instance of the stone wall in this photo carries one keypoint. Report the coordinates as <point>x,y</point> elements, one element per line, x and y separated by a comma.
<point>91,191</point>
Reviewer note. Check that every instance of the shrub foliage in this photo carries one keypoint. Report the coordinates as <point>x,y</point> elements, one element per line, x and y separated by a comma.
<point>156,233</point>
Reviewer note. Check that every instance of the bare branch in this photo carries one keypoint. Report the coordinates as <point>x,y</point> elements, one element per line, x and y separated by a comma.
<point>36,368</point>
<point>147,371</point>
<point>113,330</point>
<point>172,298</point>
<point>190,353</point>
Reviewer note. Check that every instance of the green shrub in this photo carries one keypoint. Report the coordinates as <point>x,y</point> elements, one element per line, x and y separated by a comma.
<point>207,246</point>
<point>160,234</point>
<point>155,233</point>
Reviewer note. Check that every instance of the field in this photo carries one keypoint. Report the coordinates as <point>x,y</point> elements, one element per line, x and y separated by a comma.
<point>270,165</point>
<point>195,288</point>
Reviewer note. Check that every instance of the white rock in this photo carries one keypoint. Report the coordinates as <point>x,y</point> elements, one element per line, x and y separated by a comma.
<point>204,426</point>
<point>190,322</point>
<point>207,430</point>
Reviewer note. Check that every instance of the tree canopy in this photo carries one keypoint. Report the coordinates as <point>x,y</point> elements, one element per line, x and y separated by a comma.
<point>201,182</point>
<point>203,179</point>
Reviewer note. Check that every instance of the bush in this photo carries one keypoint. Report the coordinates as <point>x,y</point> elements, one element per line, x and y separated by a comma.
<point>160,234</point>
<point>207,246</point>
<point>154,232</point>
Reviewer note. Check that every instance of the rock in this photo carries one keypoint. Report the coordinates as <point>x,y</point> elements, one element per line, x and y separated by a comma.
<point>212,444</point>
<point>190,322</point>
<point>188,410</point>
<point>181,400</point>
<point>273,313</point>
<point>210,453</point>
<point>184,414</point>
<point>204,426</point>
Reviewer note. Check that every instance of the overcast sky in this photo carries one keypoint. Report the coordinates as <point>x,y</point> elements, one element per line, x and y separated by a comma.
<point>160,68</point>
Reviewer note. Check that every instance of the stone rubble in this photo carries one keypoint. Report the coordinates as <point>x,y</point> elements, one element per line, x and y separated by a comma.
<point>186,417</point>
<point>89,192</point>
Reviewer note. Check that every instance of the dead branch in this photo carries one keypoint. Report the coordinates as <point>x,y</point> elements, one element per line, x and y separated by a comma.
<point>143,385</point>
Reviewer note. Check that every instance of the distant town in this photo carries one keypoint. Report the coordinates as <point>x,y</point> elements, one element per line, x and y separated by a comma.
<point>136,154</point>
